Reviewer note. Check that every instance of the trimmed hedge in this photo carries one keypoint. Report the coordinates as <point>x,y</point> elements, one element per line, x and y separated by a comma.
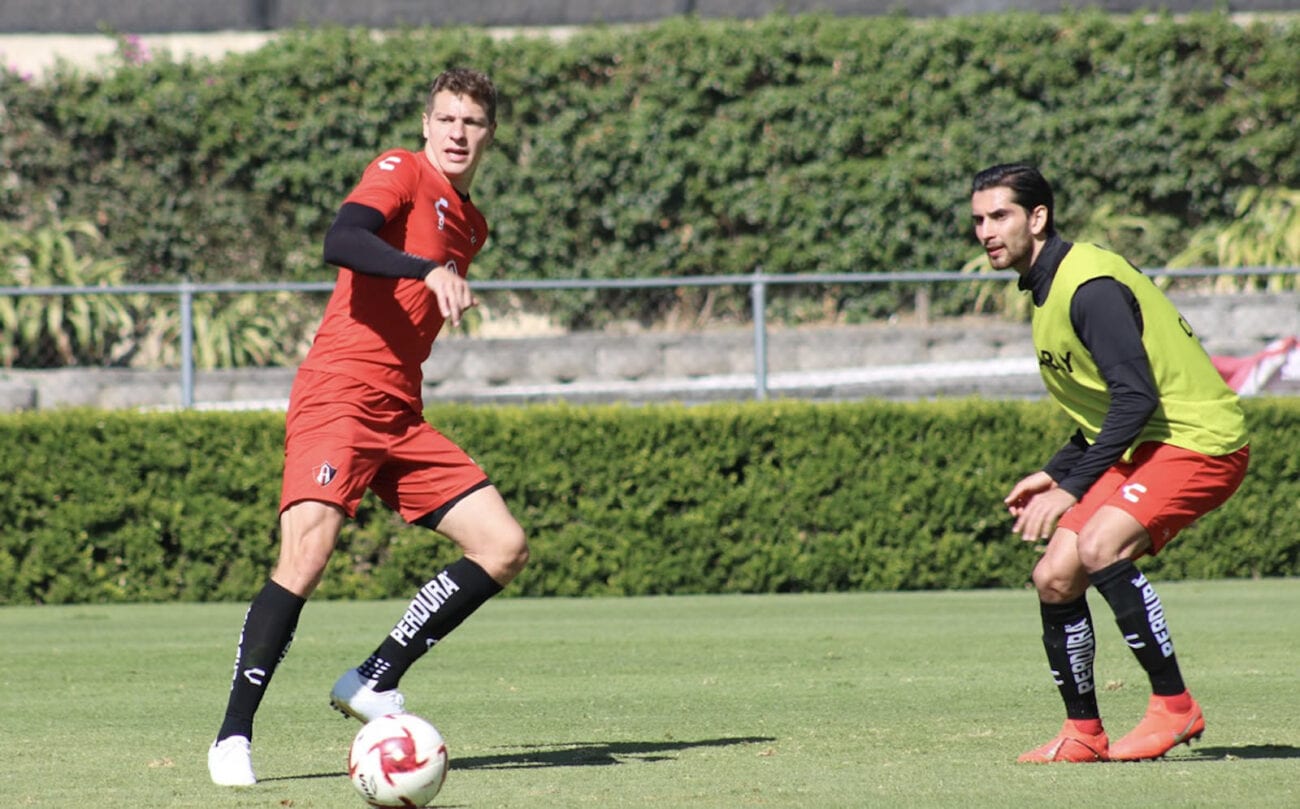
<point>799,143</point>
<point>736,498</point>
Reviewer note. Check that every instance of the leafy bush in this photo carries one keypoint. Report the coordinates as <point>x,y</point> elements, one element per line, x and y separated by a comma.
<point>690,147</point>
<point>748,498</point>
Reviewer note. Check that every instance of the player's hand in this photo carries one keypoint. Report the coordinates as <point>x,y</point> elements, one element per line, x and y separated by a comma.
<point>451,291</point>
<point>1036,514</point>
<point>1026,488</point>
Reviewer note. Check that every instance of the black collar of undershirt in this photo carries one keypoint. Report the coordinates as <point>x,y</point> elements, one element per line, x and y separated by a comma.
<point>1039,278</point>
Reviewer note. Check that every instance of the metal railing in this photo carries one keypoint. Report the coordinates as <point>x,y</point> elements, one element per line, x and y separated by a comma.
<point>758,283</point>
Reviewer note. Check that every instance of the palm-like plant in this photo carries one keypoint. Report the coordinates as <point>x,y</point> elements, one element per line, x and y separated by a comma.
<point>43,331</point>
<point>1264,233</point>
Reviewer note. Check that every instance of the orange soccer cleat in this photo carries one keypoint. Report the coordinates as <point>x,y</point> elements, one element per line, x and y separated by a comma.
<point>1160,730</point>
<point>1071,744</point>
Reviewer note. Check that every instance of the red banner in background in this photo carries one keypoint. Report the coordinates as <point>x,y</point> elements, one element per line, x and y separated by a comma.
<point>1277,366</point>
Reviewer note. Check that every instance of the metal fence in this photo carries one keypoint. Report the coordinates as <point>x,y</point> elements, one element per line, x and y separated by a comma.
<point>759,283</point>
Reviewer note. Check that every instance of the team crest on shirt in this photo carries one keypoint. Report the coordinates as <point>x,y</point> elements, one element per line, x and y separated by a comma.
<point>324,473</point>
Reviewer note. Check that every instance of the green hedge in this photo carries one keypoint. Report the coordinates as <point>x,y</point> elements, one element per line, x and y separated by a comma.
<point>747,498</point>
<point>799,143</point>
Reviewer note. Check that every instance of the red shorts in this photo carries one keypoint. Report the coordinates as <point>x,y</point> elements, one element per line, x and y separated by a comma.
<point>1166,488</point>
<point>342,437</point>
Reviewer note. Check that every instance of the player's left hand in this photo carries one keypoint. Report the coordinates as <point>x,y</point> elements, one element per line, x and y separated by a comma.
<point>452,293</point>
<point>1037,518</point>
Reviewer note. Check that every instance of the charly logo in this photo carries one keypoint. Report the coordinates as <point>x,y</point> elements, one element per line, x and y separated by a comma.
<point>441,206</point>
<point>1133,492</point>
<point>324,473</point>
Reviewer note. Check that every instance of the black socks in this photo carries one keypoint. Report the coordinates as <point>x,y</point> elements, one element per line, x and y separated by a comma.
<point>1071,648</point>
<point>1141,617</point>
<point>269,624</point>
<point>439,607</point>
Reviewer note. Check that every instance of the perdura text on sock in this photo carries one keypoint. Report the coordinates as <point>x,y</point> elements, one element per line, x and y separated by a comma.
<point>1082,645</point>
<point>427,601</point>
<point>1155,615</point>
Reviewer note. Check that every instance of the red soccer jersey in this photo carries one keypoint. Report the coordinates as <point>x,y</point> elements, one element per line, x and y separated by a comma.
<point>379,330</point>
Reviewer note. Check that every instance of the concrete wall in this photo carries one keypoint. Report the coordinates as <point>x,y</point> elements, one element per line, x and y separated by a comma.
<point>164,16</point>
<point>966,357</point>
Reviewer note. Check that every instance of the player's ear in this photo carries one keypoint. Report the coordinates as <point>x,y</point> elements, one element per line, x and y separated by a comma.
<point>1038,220</point>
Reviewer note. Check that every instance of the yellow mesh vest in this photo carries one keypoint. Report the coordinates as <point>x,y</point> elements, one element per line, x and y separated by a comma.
<point>1197,410</point>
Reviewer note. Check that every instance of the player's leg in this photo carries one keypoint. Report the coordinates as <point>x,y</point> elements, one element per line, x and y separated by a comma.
<point>1166,489</point>
<point>1109,543</point>
<point>308,532</point>
<point>326,471</point>
<point>1070,643</point>
<point>435,485</point>
<point>495,552</point>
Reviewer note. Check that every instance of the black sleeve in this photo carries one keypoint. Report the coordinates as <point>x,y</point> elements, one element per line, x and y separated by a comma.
<point>1058,468</point>
<point>1107,319</point>
<point>353,241</point>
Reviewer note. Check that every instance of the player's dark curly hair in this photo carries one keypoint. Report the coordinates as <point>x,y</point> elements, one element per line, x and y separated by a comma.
<point>1029,188</point>
<point>463,81</point>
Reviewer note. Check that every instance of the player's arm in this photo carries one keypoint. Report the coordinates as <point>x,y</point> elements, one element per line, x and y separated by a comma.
<point>1058,468</point>
<point>353,241</point>
<point>1108,321</point>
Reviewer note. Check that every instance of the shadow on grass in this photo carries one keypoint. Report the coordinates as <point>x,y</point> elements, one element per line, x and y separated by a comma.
<point>569,754</point>
<point>1245,751</point>
<point>592,754</point>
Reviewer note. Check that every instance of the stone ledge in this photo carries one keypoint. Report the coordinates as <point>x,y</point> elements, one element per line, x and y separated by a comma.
<point>955,358</point>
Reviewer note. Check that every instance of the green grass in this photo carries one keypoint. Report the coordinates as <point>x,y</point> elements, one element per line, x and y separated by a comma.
<point>850,700</point>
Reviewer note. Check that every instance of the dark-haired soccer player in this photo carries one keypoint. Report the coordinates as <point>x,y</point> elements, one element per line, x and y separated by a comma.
<point>1161,441</point>
<point>403,240</point>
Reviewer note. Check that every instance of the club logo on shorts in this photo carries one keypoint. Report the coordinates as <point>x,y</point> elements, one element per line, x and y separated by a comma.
<point>324,473</point>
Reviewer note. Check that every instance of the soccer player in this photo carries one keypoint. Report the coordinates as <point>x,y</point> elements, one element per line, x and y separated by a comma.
<point>1161,441</point>
<point>403,240</point>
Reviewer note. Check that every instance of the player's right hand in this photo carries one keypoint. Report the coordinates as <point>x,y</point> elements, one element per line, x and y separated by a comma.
<point>451,291</point>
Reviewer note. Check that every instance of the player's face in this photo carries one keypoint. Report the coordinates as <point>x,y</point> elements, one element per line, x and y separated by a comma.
<point>1006,230</point>
<point>456,134</point>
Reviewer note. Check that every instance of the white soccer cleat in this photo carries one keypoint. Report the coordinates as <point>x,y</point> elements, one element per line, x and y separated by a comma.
<point>230,762</point>
<point>355,697</point>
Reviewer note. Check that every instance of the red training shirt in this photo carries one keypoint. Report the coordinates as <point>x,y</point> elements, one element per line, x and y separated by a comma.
<point>380,330</point>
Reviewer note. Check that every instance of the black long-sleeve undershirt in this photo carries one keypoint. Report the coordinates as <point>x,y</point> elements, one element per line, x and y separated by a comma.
<point>1108,321</point>
<point>353,241</point>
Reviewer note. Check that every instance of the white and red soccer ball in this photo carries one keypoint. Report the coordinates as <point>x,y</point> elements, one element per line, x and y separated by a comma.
<point>399,760</point>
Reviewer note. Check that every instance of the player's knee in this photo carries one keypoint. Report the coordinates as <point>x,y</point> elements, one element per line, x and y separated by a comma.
<point>1099,552</point>
<point>1091,556</point>
<point>1053,586</point>
<point>505,556</point>
<point>301,571</point>
<point>514,552</point>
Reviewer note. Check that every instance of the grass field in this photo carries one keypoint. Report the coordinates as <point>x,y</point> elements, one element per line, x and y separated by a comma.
<point>847,700</point>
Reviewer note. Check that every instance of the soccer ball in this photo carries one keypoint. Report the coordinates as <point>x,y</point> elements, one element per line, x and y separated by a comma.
<point>398,760</point>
